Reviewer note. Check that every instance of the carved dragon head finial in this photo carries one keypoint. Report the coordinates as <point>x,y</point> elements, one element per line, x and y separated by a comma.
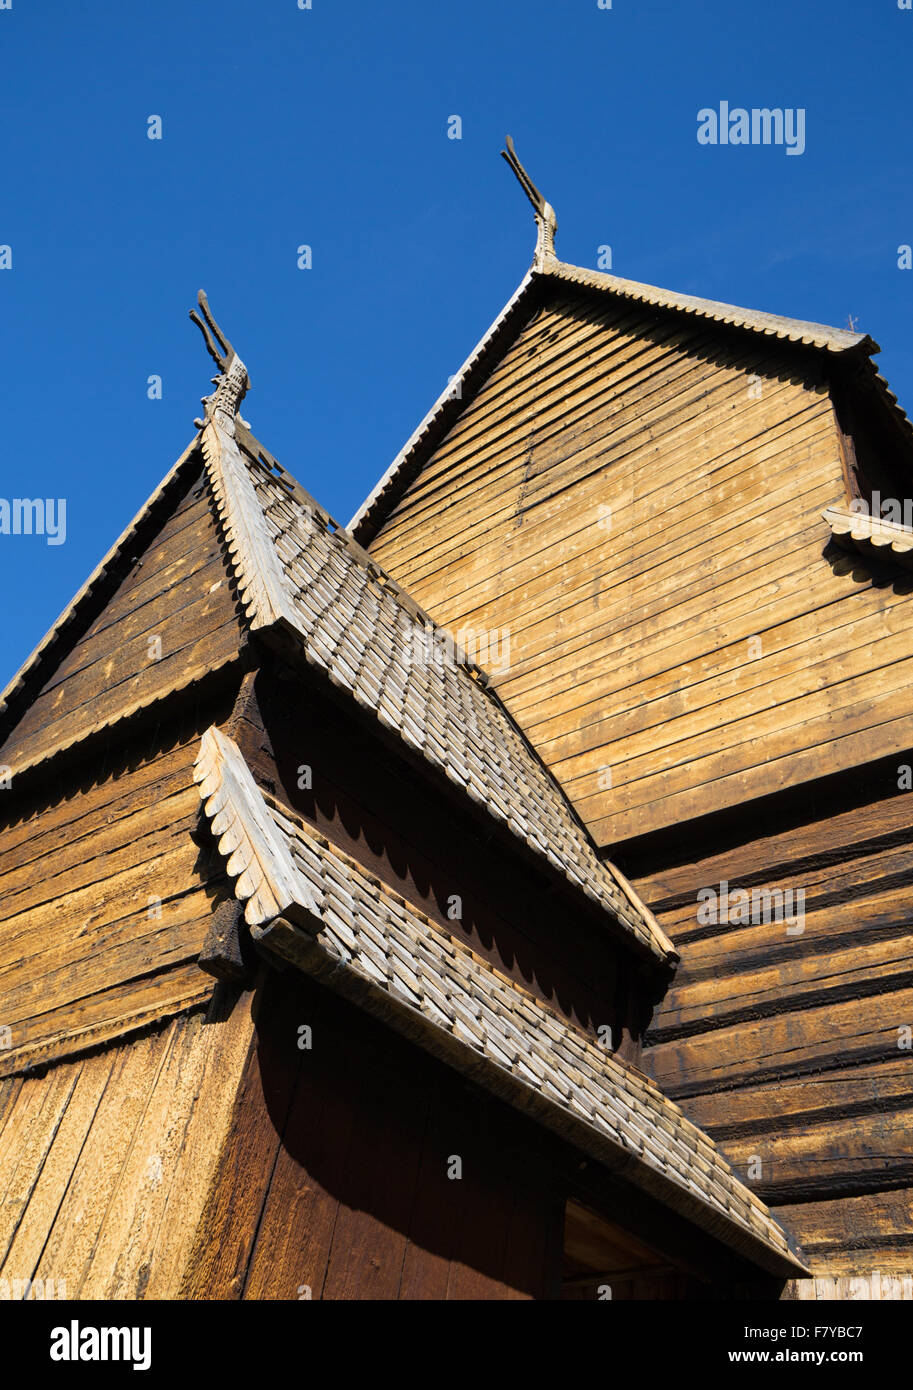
<point>546,221</point>
<point>232,383</point>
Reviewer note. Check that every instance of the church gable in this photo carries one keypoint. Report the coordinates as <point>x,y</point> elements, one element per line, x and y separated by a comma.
<point>358,777</point>
<point>625,521</point>
<point>171,619</point>
<point>603,516</point>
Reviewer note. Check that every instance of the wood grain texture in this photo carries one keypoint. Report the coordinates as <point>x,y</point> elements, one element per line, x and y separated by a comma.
<point>173,619</point>
<point>639,503</point>
<point>793,1052</point>
<point>109,1158</point>
<point>105,898</point>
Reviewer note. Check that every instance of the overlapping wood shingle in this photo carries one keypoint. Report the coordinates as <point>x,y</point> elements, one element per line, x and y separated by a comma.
<point>314,906</point>
<point>297,568</point>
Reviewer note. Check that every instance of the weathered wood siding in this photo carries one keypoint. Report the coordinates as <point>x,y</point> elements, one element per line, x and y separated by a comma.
<point>108,1159</point>
<point>637,499</point>
<point>172,620</point>
<point>793,1050</point>
<point>213,1157</point>
<point>105,898</point>
<point>425,844</point>
<point>335,1184</point>
<point>872,1288</point>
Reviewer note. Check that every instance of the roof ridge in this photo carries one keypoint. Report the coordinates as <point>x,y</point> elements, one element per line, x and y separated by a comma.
<point>299,494</point>
<point>806,331</point>
<point>547,268</point>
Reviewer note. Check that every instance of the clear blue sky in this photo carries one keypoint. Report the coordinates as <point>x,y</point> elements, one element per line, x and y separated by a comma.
<point>328,126</point>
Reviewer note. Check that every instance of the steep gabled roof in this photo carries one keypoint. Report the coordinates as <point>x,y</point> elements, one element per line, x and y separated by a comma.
<point>300,574</point>
<point>107,573</point>
<point>310,904</point>
<point>547,272</point>
<point>296,569</point>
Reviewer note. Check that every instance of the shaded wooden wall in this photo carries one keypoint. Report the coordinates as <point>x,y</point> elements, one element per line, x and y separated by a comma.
<point>335,1181</point>
<point>793,1051</point>
<point>637,497</point>
<point>213,1157</point>
<point>425,842</point>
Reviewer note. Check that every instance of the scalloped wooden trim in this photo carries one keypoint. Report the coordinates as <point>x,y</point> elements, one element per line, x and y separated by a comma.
<point>865,531</point>
<point>257,568</point>
<point>267,881</point>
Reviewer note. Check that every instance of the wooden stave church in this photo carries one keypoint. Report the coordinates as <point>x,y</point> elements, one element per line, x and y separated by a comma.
<point>185,987</point>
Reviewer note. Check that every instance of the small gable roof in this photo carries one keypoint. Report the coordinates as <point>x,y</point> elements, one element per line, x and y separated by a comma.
<point>297,569</point>
<point>309,904</point>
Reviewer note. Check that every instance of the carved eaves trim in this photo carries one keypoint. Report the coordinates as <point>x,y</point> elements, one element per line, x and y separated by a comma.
<point>871,535</point>
<point>253,554</point>
<point>267,881</point>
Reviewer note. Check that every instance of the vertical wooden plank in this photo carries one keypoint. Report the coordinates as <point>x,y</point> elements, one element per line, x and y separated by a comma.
<point>217,1267</point>
<point>223,1046</point>
<point>10,1088</point>
<point>91,1077</point>
<point>426,1263</point>
<point>296,1228</point>
<point>532,1267</point>
<point>31,1138</point>
<point>377,1186</point>
<point>485,1198</point>
<point>155,1171</point>
<point>80,1221</point>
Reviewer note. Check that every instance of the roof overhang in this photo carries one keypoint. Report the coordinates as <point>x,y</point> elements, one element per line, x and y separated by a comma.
<point>871,535</point>
<point>311,906</point>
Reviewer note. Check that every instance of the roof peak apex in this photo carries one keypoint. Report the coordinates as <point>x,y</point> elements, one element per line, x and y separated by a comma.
<point>546,220</point>
<point>232,383</point>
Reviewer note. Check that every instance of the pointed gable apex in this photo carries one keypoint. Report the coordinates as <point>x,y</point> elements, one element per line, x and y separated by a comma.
<point>156,616</point>
<point>534,289</point>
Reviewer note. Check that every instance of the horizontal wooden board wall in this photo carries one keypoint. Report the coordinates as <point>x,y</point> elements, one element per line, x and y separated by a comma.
<point>105,897</point>
<point>793,1050</point>
<point>173,619</point>
<point>637,501</point>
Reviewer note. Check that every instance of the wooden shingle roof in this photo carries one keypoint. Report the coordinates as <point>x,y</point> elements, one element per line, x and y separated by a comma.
<point>310,904</point>
<point>297,570</point>
<point>300,574</point>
